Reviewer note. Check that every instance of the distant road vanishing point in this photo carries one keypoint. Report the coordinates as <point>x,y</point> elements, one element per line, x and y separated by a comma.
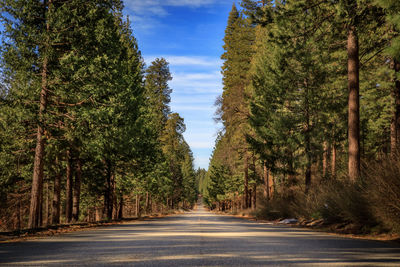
<point>199,238</point>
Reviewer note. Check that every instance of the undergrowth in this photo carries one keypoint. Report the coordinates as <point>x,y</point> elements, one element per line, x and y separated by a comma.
<point>372,203</point>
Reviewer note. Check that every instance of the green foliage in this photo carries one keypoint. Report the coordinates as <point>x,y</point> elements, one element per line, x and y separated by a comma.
<point>285,99</point>
<point>100,107</point>
<point>201,181</point>
<point>231,151</point>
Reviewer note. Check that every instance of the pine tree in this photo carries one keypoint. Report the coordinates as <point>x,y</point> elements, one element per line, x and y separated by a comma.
<point>157,78</point>
<point>232,110</point>
<point>90,74</point>
<point>393,20</point>
<point>355,15</point>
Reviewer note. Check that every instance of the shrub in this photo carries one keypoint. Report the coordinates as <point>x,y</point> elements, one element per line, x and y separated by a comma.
<point>371,203</point>
<point>334,201</point>
<point>382,187</point>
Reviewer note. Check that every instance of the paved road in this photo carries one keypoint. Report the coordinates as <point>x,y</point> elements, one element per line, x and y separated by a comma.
<point>199,238</point>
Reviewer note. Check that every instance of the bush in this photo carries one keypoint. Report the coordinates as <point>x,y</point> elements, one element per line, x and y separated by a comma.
<point>382,187</point>
<point>334,201</point>
<point>282,205</point>
<point>344,202</point>
<point>371,203</point>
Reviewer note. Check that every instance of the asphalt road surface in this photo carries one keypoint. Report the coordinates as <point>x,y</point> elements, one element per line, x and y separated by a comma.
<point>199,238</point>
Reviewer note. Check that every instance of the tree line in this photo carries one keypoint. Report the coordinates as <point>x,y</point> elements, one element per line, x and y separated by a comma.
<point>311,100</point>
<point>87,133</point>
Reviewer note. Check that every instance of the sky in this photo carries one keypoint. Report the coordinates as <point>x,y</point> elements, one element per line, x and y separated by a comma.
<point>189,35</point>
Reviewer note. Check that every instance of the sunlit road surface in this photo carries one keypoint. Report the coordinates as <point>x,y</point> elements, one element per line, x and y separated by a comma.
<point>199,238</point>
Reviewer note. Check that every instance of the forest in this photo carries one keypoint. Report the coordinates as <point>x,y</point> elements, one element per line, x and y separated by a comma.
<point>311,113</point>
<point>86,130</point>
<point>310,110</point>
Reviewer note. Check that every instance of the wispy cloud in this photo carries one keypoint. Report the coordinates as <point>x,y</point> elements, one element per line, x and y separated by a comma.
<point>145,13</point>
<point>195,99</point>
<point>202,161</point>
<point>188,60</point>
<point>144,24</point>
<point>158,7</point>
<point>189,107</point>
<point>196,145</point>
<point>204,76</point>
<point>199,83</point>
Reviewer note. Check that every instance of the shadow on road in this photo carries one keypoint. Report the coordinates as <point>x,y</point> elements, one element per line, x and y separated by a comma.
<point>199,238</point>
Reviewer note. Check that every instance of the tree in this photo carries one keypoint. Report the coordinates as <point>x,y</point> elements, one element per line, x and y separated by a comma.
<point>90,74</point>
<point>158,91</point>
<point>232,107</point>
<point>355,15</point>
<point>392,8</point>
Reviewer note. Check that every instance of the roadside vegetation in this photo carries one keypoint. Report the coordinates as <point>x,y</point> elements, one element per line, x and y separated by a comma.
<point>311,114</point>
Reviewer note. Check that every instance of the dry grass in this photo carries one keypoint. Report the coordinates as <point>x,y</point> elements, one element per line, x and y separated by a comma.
<point>382,187</point>
<point>371,205</point>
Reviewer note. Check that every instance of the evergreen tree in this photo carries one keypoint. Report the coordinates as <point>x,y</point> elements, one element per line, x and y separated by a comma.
<point>158,91</point>
<point>392,9</point>
<point>232,110</point>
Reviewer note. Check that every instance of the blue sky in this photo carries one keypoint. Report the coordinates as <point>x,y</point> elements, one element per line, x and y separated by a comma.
<point>188,34</point>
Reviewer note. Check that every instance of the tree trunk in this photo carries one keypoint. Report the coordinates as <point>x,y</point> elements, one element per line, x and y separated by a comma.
<point>55,217</point>
<point>47,205</point>
<point>41,204</point>
<point>254,199</point>
<point>266,181</point>
<point>250,198</point>
<point>19,223</point>
<point>114,198</point>
<point>150,204</point>
<point>147,202</point>
<point>308,172</point>
<point>69,188</point>
<point>333,161</point>
<point>395,124</point>
<point>110,201</point>
<point>37,179</point>
<point>138,205</point>
<point>307,132</point>
<point>77,190</point>
<point>354,104</point>
<point>325,156</point>
<point>393,133</point>
<point>109,191</point>
<point>271,182</point>
<point>246,181</point>
<point>121,206</point>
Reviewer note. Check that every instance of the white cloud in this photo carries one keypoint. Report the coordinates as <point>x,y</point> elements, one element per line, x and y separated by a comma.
<point>201,83</point>
<point>201,162</point>
<point>201,138</point>
<point>186,77</point>
<point>190,78</point>
<point>145,12</point>
<point>195,145</point>
<point>196,99</point>
<point>158,7</point>
<point>143,23</point>
<point>188,107</point>
<point>205,76</point>
<point>188,61</point>
<point>192,3</point>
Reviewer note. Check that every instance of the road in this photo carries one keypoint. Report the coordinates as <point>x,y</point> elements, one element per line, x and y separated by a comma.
<point>199,238</point>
